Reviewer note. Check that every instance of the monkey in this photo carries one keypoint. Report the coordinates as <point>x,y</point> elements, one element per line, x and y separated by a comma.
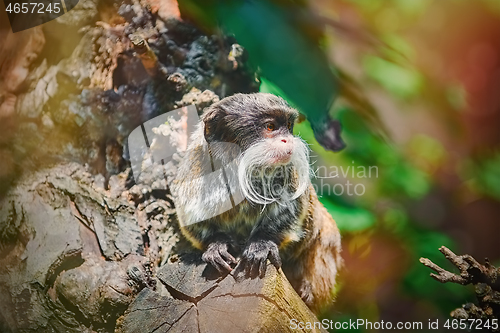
<point>243,188</point>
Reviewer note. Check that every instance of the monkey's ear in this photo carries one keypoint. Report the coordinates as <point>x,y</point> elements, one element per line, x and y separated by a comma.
<point>301,118</point>
<point>214,125</point>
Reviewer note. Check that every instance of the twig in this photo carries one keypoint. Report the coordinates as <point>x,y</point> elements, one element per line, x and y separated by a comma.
<point>485,278</point>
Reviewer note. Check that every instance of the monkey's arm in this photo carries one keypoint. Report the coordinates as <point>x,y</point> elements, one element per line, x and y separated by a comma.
<point>215,244</point>
<point>268,235</point>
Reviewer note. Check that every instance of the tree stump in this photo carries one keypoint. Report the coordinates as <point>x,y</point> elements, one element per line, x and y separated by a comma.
<point>204,302</point>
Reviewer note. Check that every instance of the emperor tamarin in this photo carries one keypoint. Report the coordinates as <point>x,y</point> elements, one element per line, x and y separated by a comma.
<point>243,190</point>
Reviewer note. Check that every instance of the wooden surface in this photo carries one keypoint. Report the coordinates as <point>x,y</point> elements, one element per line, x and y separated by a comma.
<point>201,302</point>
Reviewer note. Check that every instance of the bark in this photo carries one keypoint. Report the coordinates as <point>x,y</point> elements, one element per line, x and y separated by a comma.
<point>83,245</point>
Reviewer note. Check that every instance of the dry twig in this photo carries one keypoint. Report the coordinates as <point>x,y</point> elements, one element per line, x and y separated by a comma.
<point>485,278</point>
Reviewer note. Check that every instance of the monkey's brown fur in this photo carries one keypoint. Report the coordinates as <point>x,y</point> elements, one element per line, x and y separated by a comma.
<point>293,229</point>
<point>313,272</point>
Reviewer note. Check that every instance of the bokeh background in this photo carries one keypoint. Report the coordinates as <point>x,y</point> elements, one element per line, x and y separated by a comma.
<point>417,86</point>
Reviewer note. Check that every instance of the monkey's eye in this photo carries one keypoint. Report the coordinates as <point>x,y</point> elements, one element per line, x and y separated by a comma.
<point>290,125</point>
<point>270,127</point>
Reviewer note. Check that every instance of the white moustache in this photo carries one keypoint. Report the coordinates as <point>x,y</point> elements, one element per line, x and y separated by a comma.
<point>257,165</point>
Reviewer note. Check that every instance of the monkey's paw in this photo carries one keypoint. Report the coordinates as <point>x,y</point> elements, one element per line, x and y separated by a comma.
<point>218,256</point>
<point>254,258</point>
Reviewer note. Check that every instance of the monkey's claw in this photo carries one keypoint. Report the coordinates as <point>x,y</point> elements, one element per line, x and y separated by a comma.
<point>218,256</point>
<point>254,258</point>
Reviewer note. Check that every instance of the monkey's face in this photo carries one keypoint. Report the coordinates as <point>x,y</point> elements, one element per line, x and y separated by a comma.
<point>250,119</point>
<point>277,133</point>
<point>261,125</point>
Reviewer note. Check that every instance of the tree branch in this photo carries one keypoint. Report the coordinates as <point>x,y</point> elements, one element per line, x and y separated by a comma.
<point>485,278</point>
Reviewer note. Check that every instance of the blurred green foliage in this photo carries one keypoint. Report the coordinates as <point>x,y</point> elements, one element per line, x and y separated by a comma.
<point>401,82</point>
<point>349,219</point>
<point>483,175</point>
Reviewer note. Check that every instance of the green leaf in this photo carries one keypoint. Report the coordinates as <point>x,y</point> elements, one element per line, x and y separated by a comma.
<point>400,81</point>
<point>349,218</point>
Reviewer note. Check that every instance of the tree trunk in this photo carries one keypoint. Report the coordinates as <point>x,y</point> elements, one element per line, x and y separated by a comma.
<point>82,245</point>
